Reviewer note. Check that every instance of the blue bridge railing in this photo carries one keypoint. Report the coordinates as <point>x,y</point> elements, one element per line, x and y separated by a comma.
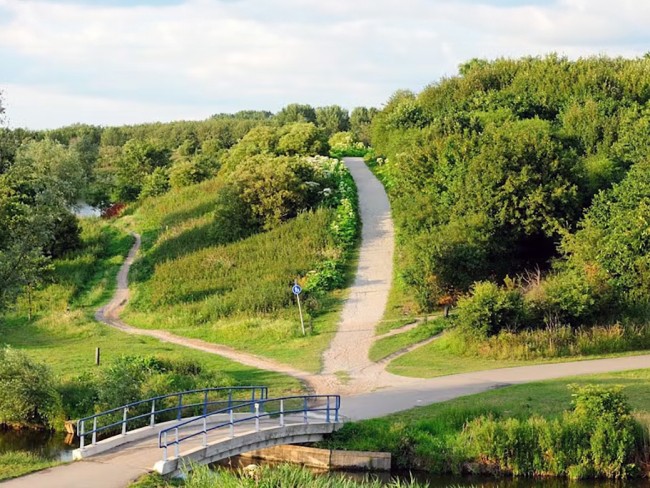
<point>247,412</point>
<point>174,406</point>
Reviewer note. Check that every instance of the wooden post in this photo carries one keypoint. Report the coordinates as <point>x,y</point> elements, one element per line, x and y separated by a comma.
<point>97,356</point>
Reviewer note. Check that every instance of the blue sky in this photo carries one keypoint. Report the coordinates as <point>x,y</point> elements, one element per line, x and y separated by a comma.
<point>118,61</point>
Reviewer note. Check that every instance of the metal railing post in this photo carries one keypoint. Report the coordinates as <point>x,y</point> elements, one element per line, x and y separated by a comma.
<point>338,406</point>
<point>205,431</point>
<point>230,398</point>
<point>205,402</point>
<point>232,425</point>
<point>165,447</point>
<point>94,440</point>
<point>327,414</point>
<point>152,420</point>
<point>82,435</point>
<point>304,411</point>
<point>252,399</point>
<point>180,406</point>
<point>281,413</point>
<point>177,446</point>
<point>124,416</point>
<point>257,417</point>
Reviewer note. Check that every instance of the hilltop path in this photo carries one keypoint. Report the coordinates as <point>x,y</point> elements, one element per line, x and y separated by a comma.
<point>347,370</point>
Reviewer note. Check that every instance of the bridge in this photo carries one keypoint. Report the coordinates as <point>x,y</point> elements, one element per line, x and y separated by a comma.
<point>172,433</point>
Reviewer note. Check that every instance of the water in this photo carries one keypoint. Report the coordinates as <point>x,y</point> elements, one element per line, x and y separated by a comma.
<point>82,209</point>
<point>438,481</point>
<point>48,444</point>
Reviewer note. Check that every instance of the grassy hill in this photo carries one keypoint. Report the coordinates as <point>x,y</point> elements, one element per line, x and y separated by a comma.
<point>189,281</point>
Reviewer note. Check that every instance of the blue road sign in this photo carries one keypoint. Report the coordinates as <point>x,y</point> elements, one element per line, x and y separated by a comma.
<point>296,289</point>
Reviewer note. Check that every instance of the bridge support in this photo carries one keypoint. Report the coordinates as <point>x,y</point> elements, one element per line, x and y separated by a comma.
<point>225,448</point>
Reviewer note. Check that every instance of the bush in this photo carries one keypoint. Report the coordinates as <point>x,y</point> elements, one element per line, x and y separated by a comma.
<point>490,309</point>
<point>27,393</point>
<point>598,438</point>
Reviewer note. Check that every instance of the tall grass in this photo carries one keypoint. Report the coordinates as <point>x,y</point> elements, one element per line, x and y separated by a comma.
<point>238,293</point>
<point>281,476</point>
<point>555,342</point>
<point>19,463</point>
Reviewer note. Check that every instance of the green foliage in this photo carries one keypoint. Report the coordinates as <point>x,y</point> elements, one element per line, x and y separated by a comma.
<point>29,397</point>
<point>19,463</point>
<point>300,138</point>
<point>613,242</point>
<point>295,112</point>
<point>489,171</point>
<point>598,438</point>
<point>343,144</point>
<point>490,309</point>
<point>332,119</point>
<point>155,183</point>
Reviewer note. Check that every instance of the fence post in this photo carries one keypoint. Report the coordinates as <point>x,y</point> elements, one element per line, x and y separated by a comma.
<point>257,417</point>
<point>252,399</point>
<point>281,413</point>
<point>327,415</point>
<point>152,420</point>
<point>124,416</point>
<point>232,425</point>
<point>336,411</point>
<point>82,435</point>
<point>165,448</point>
<point>230,398</point>
<point>205,403</point>
<point>205,431</point>
<point>177,443</point>
<point>180,406</point>
<point>304,412</point>
<point>94,440</point>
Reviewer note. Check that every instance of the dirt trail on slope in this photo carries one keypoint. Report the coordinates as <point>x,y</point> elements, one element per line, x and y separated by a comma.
<point>110,315</point>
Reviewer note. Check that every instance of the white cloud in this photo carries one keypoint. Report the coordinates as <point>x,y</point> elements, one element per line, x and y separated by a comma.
<point>221,55</point>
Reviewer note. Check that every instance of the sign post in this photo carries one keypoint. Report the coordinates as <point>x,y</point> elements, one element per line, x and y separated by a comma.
<point>296,290</point>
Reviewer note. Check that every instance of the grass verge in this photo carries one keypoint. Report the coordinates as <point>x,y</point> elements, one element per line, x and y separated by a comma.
<point>383,348</point>
<point>14,464</point>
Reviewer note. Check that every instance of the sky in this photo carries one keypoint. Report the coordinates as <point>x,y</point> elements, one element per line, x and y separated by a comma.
<point>112,62</point>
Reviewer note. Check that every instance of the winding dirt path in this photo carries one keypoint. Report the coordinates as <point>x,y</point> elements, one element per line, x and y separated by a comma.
<point>369,389</point>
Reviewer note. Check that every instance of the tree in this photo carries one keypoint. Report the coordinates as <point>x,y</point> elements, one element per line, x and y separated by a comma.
<point>35,195</point>
<point>28,394</point>
<point>296,112</point>
<point>332,119</point>
<point>300,138</point>
<point>360,123</point>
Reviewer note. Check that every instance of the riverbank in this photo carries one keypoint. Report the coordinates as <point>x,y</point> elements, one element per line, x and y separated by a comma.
<point>432,437</point>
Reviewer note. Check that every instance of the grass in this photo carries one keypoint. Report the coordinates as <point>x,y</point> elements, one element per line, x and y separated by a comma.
<point>19,463</point>
<point>283,475</point>
<point>236,294</point>
<point>383,348</point>
<point>239,294</point>
<point>64,334</point>
<point>421,437</point>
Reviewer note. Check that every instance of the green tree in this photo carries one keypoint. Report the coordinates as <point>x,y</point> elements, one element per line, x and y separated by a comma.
<point>360,123</point>
<point>300,138</point>
<point>296,112</point>
<point>28,394</point>
<point>332,119</point>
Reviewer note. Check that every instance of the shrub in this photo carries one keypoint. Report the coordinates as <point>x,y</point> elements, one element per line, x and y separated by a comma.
<point>27,393</point>
<point>597,438</point>
<point>490,309</point>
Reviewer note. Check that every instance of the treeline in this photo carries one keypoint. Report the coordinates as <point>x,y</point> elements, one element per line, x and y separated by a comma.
<point>44,173</point>
<point>523,187</point>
